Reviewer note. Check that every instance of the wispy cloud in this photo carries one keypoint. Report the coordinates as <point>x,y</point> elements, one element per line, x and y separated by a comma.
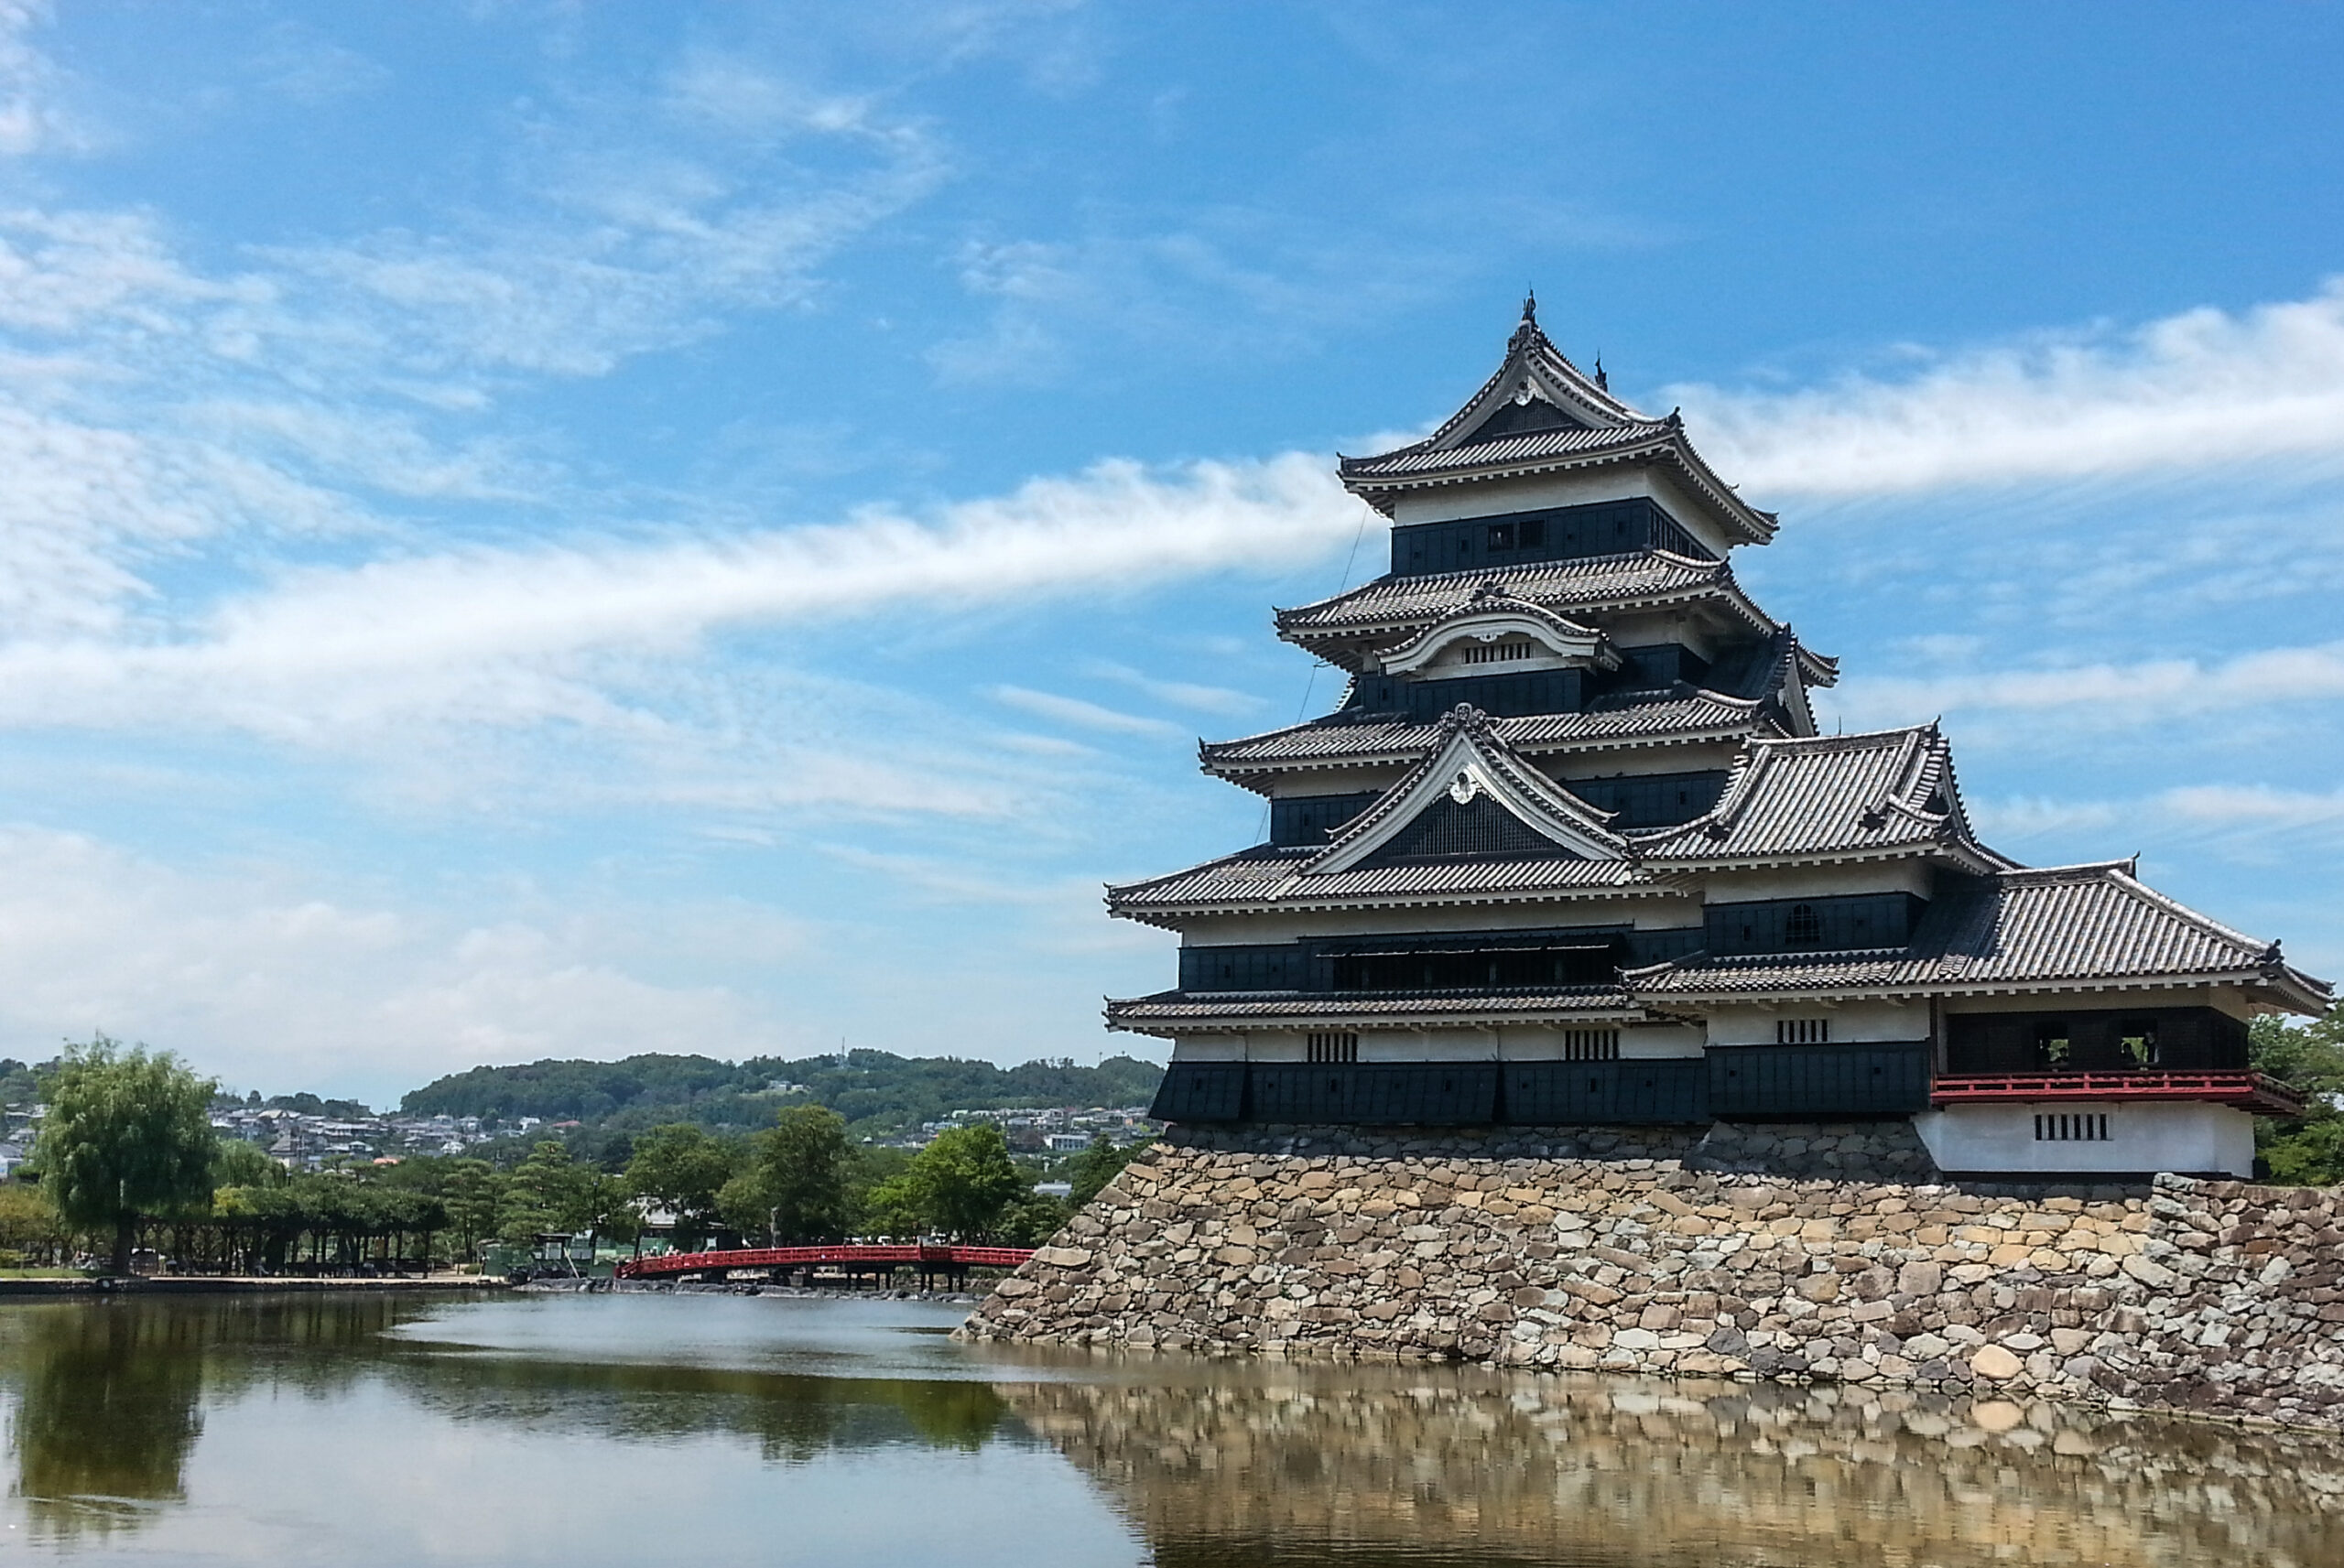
<point>1217,699</point>
<point>34,116</point>
<point>1083,715</point>
<point>2196,390</point>
<point>497,634</point>
<point>2107,694</point>
<point>2251,822</point>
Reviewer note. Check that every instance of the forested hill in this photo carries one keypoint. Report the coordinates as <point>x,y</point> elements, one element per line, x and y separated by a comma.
<point>876,1091</point>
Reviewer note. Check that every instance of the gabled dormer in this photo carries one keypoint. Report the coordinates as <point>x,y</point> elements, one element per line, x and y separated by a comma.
<point>1541,440</point>
<point>1473,798</point>
<point>1536,389</point>
<point>1495,633</point>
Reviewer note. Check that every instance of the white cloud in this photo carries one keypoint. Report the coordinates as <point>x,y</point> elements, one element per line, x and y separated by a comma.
<point>2251,822</point>
<point>502,636</point>
<point>2193,391</point>
<point>259,977</point>
<point>1082,715</point>
<point>2107,694</point>
<point>1217,699</point>
<point>33,116</point>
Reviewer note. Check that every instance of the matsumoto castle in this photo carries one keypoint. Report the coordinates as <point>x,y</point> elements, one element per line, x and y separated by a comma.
<point>1571,851</point>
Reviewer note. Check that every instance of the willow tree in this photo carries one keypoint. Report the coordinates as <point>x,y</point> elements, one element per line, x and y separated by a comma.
<point>128,1133</point>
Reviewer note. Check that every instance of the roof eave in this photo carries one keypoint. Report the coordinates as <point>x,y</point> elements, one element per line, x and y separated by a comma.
<point>1383,491</point>
<point>1955,986</point>
<point>1203,909</point>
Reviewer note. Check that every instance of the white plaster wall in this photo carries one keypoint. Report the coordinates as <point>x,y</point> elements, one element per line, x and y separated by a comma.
<point>1642,911</point>
<point>2169,1136</point>
<point>1911,875</point>
<point>1453,503</point>
<point>2106,998</point>
<point>1208,1048</point>
<point>1696,627</point>
<point>1335,781</point>
<point>1568,768</point>
<point>1851,1021</point>
<point>1651,1043</point>
<point>1486,498</point>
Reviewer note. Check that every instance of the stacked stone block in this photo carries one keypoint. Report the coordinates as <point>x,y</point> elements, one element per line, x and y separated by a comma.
<point>1619,1251</point>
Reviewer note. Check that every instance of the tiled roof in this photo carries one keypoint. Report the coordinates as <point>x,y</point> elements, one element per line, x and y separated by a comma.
<point>1829,796</point>
<point>1259,878</point>
<point>1423,458</point>
<point>1651,717</point>
<point>2075,925</point>
<point>1174,1007</point>
<point>1403,603</point>
<point>1587,425</point>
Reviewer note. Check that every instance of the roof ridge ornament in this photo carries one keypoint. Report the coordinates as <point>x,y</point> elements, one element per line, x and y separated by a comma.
<point>1527,330</point>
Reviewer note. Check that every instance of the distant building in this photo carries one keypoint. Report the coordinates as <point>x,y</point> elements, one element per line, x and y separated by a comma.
<point>1571,849</point>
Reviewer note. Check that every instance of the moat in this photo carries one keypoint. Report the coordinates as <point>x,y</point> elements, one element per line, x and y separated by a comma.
<point>649,1429</point>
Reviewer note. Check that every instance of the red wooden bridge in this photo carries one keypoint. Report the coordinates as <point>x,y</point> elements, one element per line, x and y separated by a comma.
<point>852,1257</point>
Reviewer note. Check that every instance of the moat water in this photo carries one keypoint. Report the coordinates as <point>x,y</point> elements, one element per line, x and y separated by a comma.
<point>590,1430</point>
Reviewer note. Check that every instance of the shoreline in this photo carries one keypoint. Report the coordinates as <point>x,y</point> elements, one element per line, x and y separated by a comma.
<point>238,1284</point>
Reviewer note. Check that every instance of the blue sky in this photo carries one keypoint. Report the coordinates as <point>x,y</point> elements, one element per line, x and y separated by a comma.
<point>536,529</point>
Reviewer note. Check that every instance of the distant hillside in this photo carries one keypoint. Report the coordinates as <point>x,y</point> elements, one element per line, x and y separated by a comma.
<point>877,1092</point>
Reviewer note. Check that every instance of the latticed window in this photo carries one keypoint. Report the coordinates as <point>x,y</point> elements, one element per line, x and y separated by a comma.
<point>1591,1044</point>
<point>2089,1127</point>
<point>1802,926</point>
<point>1333,1047</point>
<point>1496,653</point>
<point>1802,1031</point>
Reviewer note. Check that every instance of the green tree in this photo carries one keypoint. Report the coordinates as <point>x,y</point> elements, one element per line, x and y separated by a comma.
<point>30,1226</point>
<point>894,1206</point>
<point>965,1180</point>
<point>795,1185</point>
<point>1031,1219</point>
<point>472,1192</point>
<point>547,1192</point>
<point>2309,1150</point>
<point>683,1168</point>
<point>128,1132</point>
<point>237,1163</point>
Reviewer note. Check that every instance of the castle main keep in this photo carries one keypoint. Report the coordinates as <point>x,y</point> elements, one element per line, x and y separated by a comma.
<point>1571,851</point>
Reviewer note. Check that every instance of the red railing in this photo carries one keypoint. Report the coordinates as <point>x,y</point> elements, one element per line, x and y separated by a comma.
<point>2246,1090</point>
<point>845,1254</point>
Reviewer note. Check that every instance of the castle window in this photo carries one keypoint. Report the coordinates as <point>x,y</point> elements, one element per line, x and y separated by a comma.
<point>1333,1047</point>
<point>2054,1044</point>
<point>1501,535</point>
<point>1802,1031</point>
<point>2091,1127</point>
<point>2136,1043</point>
<point>1802,927</point>
<point>1591,1044</point>
<point>1494,653</point>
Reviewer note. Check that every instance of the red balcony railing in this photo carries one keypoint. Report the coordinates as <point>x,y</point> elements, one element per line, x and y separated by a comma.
<point>2257,1092</point>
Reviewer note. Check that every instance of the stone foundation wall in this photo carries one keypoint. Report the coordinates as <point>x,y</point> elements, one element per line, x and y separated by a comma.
<point>1721,1254</point>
